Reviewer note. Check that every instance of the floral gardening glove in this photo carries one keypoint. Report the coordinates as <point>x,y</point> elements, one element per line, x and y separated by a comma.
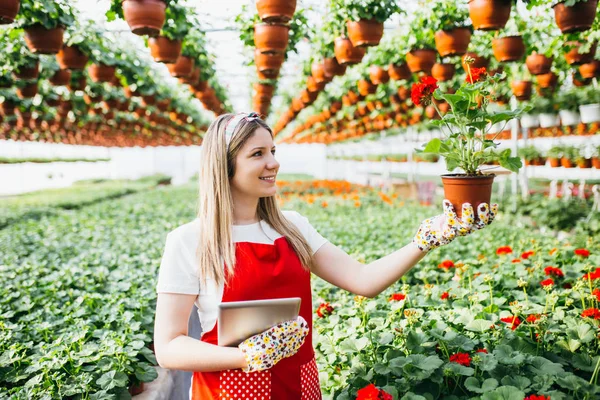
<point>264,350</point>
<point>442,229</point>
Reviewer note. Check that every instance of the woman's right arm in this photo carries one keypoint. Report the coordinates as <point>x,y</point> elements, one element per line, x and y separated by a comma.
<point>176,350</point>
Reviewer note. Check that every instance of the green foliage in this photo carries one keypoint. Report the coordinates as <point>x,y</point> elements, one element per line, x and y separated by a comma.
<point>15,54</point>
<point>48,13</point>
<point>529,153</point>
<point>37,160</point>
<point>446,15</point>
<point>179,20</point>
<point>355,10</point>
<point>555,214</point>
<point>299,30</point>
<point>245,21</point>
<point>420,35</point>
<point>116,8</point>
<point>568,99</point>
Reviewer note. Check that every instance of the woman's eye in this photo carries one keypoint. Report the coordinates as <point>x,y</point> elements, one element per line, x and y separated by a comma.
<point>257,153</point>
<point>273,152</point>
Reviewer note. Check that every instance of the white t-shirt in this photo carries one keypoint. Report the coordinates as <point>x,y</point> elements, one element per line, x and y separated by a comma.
<point>179,266</point>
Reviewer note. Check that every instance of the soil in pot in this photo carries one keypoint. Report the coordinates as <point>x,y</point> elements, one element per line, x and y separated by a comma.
<point>421,60</point>
<point>462,188</point>
<point>489,15</point>
<point>164,50</point>
<point>346,53</point>
<point>8,11</point>
<point>509,48</point>
<point>538,64</point>
<point>364,33</point>
<point>576,18</point>
<point>276,10</point>
<point>144,17</point>
<point>44,41</point>
<point>453,42</point>
<point>271,38</point>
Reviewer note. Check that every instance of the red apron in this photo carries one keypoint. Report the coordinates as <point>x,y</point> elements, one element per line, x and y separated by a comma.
<point>265,271</point>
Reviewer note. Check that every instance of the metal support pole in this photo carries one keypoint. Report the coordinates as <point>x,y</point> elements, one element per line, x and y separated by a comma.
<point>514,148</point>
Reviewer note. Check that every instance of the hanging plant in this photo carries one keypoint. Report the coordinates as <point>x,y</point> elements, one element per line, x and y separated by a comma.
<point>166,47</point>
<point>144,17</point>
<point>44,22</point>
<point>450,22</point>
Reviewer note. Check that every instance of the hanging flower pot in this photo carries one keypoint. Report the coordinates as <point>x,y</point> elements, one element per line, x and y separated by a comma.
<point>8,107</point>
<point>589,113</point>
<point>333,67</point>
<point>317,70</point>
<point>313,86</point>
<point>460,189</point>
<point>573,56</point>
<point>101,72</point>
<point>365,33</point>
<point>346,53</point>
<point>590,70</point>
<point>480,62</point>
<point>399,71</point>
<point>44,41</point>
<point>548,80</point>
<point>443,72</point>
<point>308,97</point>
<point>576,18</point>
<point>8,11</point>
<point>144,17</point>
<point>276,10</point>
<point>365,87</point>
<point>193,78</point>
<point>420,60</point>
<point>182,68</point>
<point>581,82</point>
<point>268,62</point>
<point>70,57</point>
<point>201,86</point>
<point>271,38</point>
<point>508,48</point>
<point>29,90</point>
<point>28,73</point>
<point>164,50</point>
<point>378,75</point>
<point>452,42</point>
<point>538,64</point>
<point>403,93</point>
<point>521,89</point>
<point>263,90</point>
<point>62,77</point>
<point>489,15</point>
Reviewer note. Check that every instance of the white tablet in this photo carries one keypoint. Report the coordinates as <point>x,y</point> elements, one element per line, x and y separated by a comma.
<point>238,320</point>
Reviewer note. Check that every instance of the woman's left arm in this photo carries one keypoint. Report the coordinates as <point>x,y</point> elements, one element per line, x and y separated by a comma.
<point>336,267</point>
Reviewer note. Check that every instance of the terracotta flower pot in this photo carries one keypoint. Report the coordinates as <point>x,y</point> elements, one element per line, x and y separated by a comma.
<point>268,62</point>
<point>584,163</point>
<point>581,82</point>
<point>8,11</point>
<point>521,89</point>
<point>576,18</point>
<point>271,38</point>
<point>566,163</point>
<point>480,62</point>
<point>62,77</point>
<point>590,70</point>
<point>144,17</point>
<point>378,75</point>
<point>399,72</point>
<point>28,73</point>
<point>70,57</point>
<point>44,41</point>
<point>346,53</point>
<point>460,189</point>
<point>365,33</point>
<point>317,70</point>
<point>489,15</point>
<point>333,67</point>
<point>443,72</point>
<point>538,64</point>
<point>453,42</point>
<point>596,162</point>
<point>313,86</point>
<point>365,87</point>
<point>508,48</point>
<point>308,97</point>
<point>403,93</point>
<point>182,68</point>
<point>548,80</point>
<point>28,91</point>
<point>574,58</point>
<point>164,50</point>
<point>101,72</point>
<point>420,60</point>
<point>276,10</point>
<point>554,162</point>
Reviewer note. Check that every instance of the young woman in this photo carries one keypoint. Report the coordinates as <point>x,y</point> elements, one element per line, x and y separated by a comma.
<point>242,247</point>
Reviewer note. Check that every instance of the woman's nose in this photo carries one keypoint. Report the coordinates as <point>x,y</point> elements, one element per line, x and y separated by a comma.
<point>272,163</point>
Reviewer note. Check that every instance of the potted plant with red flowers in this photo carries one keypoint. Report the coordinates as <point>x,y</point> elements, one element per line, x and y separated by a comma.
<point>44,22</point>
<point>465,127</point>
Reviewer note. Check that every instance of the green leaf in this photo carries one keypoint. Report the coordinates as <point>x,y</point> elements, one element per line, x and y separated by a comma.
<point>517,381</point>
<point>459,369</point>
<point>146,373</point>
<point>433,146</point>
<point>505,355</point>
<point>112,379</point>
<point>473,385</point>
<point>543,366</point>
<point>504,393</point>
<point>425,363</point>
<point>478,325</point>
<point>511,163</point>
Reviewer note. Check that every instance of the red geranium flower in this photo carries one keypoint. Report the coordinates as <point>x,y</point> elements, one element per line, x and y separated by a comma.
<point>461,358</point>
<point>533,318</point>
<point>370,392</point>
<point>582,252</point>
<point>596,293</point>
<point>446,264</point>
<point>537,397</point>
<point>514,321</point>
<point>397,297</point>
<point>421,92</point>
<point>547,282</point>
<point>504,250</point>
<point>554,271</point>
<point>592,275</point>
<point>476,75</point>
<point>527,254</point>
<point>482,351</point>
<point>444,296</point>
<point>516,261</point>
<point>591,313</point>
<point>324,310</point>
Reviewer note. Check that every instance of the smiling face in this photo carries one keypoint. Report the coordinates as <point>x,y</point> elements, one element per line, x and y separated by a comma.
<point>255,167</point>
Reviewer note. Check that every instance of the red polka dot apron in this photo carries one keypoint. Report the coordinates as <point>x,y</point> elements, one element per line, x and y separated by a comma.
<point>265,271</point>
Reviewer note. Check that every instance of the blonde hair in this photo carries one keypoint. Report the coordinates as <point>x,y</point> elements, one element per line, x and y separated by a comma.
<point>215,208</point>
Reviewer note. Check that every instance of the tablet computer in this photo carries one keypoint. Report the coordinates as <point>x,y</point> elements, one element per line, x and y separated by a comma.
<point>238,320</point>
